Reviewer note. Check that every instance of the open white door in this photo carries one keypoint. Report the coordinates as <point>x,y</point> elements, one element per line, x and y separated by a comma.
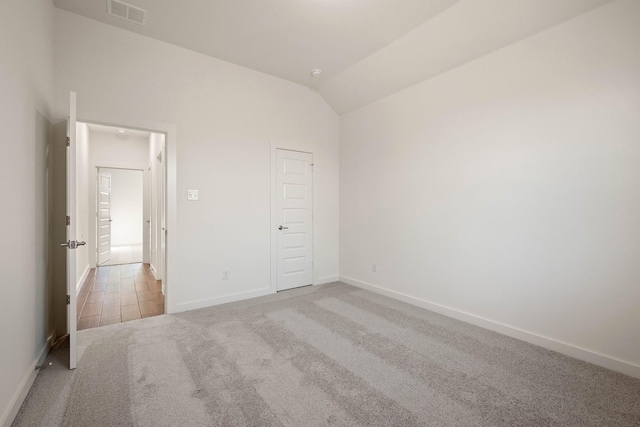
<point>104,216</point>
<point>161,216</point>
<point>158,232</point>
<point>71,244</point>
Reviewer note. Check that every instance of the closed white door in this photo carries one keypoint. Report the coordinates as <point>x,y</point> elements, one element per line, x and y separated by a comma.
<point>294,205</point>
<point>104,216</point>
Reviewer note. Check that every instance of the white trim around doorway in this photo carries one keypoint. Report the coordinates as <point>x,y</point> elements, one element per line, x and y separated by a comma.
<point>171,201</point>
<point>274,215</point>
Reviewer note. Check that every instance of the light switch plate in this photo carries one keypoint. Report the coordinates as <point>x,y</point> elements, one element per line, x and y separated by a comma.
<point>192,194</point>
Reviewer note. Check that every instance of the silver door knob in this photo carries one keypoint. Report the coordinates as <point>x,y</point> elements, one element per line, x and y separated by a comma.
<point>72,244</point>
<point>283,228</point>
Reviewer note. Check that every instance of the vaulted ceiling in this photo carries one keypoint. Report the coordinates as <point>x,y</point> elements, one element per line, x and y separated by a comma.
<point>366,49</point>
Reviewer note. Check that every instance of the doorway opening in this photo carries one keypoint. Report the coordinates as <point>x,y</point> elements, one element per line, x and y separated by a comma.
<point>120,208</point>
<point>120,218</point>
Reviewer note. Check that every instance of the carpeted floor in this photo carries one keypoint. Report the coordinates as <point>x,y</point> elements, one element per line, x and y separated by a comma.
<point>322,355</point>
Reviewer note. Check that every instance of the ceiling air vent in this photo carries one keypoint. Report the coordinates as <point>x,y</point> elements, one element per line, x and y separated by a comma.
<point>127,11</point>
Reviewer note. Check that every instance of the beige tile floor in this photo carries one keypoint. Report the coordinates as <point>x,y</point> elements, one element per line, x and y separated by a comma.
<point>118,293</point>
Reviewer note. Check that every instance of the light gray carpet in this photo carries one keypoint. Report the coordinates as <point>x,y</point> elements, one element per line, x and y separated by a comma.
<point>322,355</point>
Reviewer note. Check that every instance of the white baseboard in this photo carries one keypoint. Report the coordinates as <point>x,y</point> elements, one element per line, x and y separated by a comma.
<point>153,270</point>
<point>580,353</point>
<point>326,279</point>
<point>25,385</point>
<point>80,282</point>
<point>194,305</point>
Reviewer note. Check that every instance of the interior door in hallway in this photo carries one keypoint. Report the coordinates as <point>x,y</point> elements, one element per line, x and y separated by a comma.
<point>71,244</point>
<point>104,216</point>
<point>294,210</point>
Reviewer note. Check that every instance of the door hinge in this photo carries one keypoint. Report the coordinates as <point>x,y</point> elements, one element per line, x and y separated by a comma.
<point>68,220</point>
<point>68,299</point>
<point>68,142</point>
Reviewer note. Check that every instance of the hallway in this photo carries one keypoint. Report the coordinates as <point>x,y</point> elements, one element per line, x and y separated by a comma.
<point>118,293</point>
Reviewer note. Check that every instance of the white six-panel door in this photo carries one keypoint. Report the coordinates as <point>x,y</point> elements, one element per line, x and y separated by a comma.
<point>294,211</point>
<point>104,216</point>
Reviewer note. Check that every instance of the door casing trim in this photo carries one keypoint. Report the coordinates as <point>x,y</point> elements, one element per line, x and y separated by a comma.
<point>274,214</point>
<point>170,179</point>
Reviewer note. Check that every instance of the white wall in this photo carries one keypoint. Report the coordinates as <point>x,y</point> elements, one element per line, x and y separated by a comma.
<point>112,151</point>
<point>82,201</point>
<point>126,207</point>
<point>26,34</point>
<point>508,188</point>
<point>225,117</point>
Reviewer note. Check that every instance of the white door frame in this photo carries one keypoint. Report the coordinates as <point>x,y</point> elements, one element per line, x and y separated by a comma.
<point>170,188</point>
<point>274,212</point>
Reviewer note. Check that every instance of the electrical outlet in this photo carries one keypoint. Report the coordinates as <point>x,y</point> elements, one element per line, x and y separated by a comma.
<point>374,267</point>
<point>192,194</point>
<point>225,274</point>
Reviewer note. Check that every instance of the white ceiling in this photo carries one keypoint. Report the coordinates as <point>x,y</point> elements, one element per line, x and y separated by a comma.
<point>367,49</point>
